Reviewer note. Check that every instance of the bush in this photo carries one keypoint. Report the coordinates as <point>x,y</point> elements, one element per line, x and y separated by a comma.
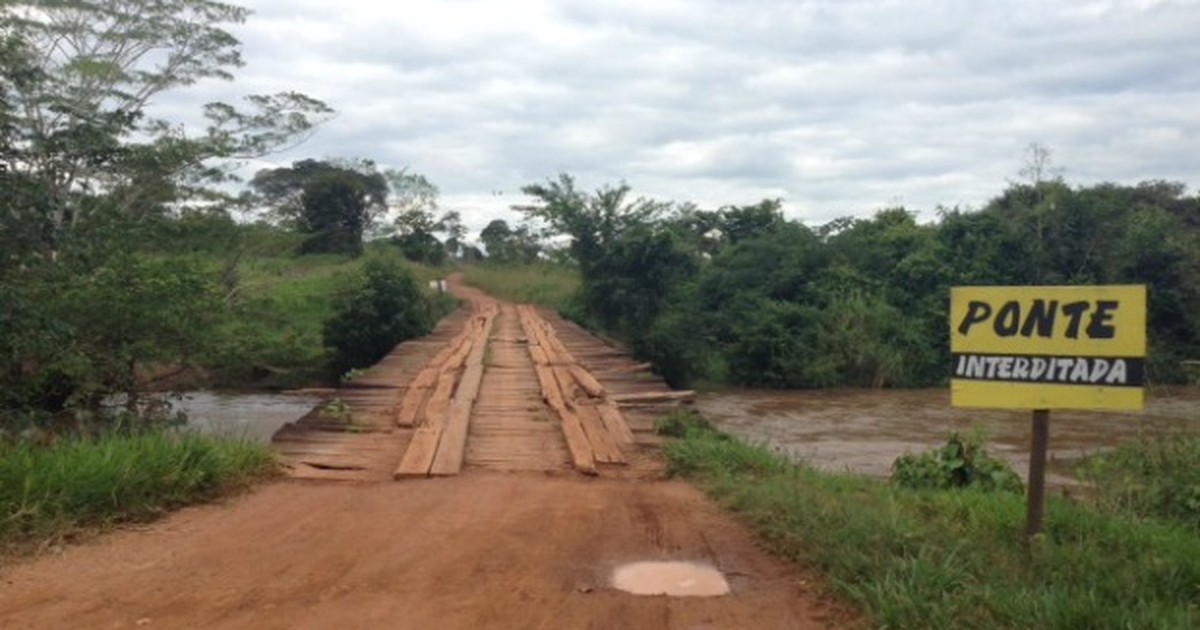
<point>958,464</point>
<point>386,307</point>
<point>1150,477</point>
<point>679,423</point>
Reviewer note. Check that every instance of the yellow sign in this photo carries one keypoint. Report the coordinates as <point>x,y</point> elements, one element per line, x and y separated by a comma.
<point>1048,347</point>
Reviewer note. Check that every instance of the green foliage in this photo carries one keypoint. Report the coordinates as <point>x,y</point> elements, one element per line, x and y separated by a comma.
<point>958,464</point>
<point>48,492</point>
<point>337,210</point>
<point>939,559</point>
<point>743,295</point>
<point>75,337</point>
<point>386,307</point>
<point>704,451</point>
<point>680,423</point>
<point>271,335</point>
<point>334,203</point>
<point>508,246</point>
<point>1152,477</point>
<point>545,284</point>
<point>79,78</point>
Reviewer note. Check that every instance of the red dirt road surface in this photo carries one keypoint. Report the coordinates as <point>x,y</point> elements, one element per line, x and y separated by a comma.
<point>519,538</point>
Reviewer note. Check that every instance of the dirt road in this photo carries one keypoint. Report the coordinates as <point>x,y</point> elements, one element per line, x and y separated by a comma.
<point>507,543</point>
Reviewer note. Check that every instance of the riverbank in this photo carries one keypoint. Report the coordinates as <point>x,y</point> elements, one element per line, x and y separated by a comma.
<point>865,430</point>
<point>930,559</point>
<point>54,493</point>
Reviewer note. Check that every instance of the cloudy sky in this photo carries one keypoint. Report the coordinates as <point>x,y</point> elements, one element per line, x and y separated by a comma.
<point>839,107</point>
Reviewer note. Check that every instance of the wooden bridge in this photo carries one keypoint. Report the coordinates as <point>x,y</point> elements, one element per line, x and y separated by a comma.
<point>494,387</point>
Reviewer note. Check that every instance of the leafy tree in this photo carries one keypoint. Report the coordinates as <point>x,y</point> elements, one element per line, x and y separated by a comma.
<point>91,181</point>
<point>592,222</point>
<point>452,226</point>
<point>414,229</point>
<point>89,69</point>
<point>738,223</point>
<point>336,203</point>
<point>506,245</point>
<point>338,207</point>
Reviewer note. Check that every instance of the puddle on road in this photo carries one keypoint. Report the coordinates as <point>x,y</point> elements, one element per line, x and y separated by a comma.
<point>677,579</point>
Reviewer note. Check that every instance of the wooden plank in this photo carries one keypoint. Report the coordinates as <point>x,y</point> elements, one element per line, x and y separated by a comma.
<point>603,447</point>
<point>449,458</point>
<point>566,383</point>
<point>587,381</point>
<point>577,443</point>
<point>615,421</point>
<point>418,457</point>
<point>651,397</point>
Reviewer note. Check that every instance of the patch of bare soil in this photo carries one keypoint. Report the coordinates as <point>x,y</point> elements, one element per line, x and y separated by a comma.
<point>481,550</point>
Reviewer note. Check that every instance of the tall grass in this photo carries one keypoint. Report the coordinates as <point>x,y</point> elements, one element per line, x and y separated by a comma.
<point>49,492</point>
<point>545,284</point>
<point>958,558</point>
<point>1153,476</point>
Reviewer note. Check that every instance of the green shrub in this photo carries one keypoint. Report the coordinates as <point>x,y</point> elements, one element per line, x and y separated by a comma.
<point>680,422</point>
<point>958,464</point>
<point>1153,476</point>
<point>384,308</point>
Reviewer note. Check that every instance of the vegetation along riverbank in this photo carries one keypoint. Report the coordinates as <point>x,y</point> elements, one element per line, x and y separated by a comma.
<point>918,553</point>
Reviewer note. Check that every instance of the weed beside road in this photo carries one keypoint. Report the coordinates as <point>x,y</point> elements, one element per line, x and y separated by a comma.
<point>51,492</point>
<point>952,558</point>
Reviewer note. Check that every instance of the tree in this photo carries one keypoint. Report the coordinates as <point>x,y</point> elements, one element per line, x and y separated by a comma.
<point>88,69</point>
<point>506,245</point>
<point>592,222</point>
<point>335,202</point>
<point>452,226</point>
<point>338,207</point>
<point>89,176</point>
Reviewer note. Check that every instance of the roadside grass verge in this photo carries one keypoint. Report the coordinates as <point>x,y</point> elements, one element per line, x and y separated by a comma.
<point>1152,476</point>
<point>52,492</point>
<point>544,284</point>
<point>952,558</point>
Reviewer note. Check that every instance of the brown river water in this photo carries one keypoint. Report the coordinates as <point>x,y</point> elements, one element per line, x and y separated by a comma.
<point>860,431</point>
<point>864,431</point>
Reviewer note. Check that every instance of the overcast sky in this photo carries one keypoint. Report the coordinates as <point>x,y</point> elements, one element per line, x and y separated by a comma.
<point>838,107</point>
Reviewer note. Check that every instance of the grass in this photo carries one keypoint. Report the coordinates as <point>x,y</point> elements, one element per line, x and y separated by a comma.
<point>545,284</point>
<point>274,338</point>
<point>1153,476</point>
<point>953,558</point>
<point>50,493</point>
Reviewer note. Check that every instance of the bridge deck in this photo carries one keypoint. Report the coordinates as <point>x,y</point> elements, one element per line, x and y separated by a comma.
<point>354,434</point>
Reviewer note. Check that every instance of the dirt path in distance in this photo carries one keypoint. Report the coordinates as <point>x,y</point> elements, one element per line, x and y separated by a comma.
<point>497,546</point>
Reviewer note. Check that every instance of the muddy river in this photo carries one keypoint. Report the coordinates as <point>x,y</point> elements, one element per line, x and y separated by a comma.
<point>865,430</point>
<point>856,430</point>
<point>254,415</point>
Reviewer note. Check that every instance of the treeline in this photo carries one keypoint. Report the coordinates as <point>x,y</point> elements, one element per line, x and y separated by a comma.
<point>122,266</point>
<point>742,295</point>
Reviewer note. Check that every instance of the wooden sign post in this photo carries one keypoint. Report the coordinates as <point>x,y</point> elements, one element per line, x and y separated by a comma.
<point>1044,348</point>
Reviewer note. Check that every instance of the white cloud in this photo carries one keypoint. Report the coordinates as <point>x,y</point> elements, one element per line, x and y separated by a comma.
<point>840,107</point>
